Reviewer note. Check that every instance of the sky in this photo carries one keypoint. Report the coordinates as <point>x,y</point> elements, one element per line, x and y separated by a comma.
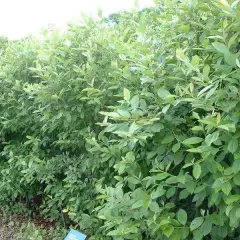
<point>18,18</point>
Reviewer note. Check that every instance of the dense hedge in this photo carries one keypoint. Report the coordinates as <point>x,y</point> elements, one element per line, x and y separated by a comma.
<point>129,126</point>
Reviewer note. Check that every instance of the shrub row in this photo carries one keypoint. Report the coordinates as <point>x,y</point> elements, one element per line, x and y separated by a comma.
<point>129,125</point>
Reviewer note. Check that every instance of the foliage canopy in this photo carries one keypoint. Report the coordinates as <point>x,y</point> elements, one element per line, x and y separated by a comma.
<point>129,127</point>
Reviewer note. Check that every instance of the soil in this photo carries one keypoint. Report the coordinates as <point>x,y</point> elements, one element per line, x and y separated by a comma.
<point>9,230</point>
<point>10,227</point>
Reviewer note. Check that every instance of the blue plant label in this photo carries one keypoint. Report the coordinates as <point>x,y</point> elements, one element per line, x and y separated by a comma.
<point>75,235</point>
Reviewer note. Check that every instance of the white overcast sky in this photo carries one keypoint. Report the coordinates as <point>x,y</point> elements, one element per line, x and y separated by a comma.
<point>18,18</point>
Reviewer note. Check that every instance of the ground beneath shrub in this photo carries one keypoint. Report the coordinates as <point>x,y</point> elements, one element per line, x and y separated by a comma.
<point>12,227</point>
<point>8,231</point>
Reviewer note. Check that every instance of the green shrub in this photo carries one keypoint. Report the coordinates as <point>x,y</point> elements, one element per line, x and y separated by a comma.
<point>130,127</point>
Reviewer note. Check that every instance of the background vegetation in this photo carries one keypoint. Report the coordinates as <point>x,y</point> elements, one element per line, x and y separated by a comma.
<point>128,127</point>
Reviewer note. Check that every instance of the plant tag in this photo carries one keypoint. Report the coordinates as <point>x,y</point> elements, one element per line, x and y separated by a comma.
<point>75,235</point>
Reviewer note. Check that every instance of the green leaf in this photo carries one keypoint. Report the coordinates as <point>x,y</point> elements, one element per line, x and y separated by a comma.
<point>195,150</point>
<point>185,28</point>
<point>187,165</point>
<point>236,166</point>
<point>228,127</point>
<point>196,223</point>
<point>124,113</point>
<point>204,90</point>
<point>182,216</point>
<point>233,145</point>
<point>69,118</point>
<point>110,114</point>
<point>233,198</point>
<point>165,109</point>
<point>197,128</point>
<point>161,176</point>
<point>184,233</point>
<point>126,94</point>
<point>228,209</point>
<point>206,70</point>
<point>164,222</point>
<point>170,192</point>
<point>230,58</point>
<point>181,55</point>
<point>154,207</point>
<point>220,47</point>
<point>158,193</point>
<point>157,127</point>
<point>172,180</point>
<point>190,186</point>
<point>163,93</point>
<point>211,138</point>
<point>192,140</point>
<point>206,227</point>
<point>133,180</point>
<point>210,93</point>
<point>176,147</point>
<point>138,204</point>
<point>135,102</point>
<point>168,231</point>
<point>233,38</point>
<point>133,127</point>
<point>197,170</point>
<point>112,233</point>
<point>209,121</point>
<point>218,183</point>
<point>238,213</point>
<point>195,60</point>
<point>226,188</point>
<point>196,115</point>
<point>183,194</point>
<point>236,179</point>
<point>237,62</point>
<point>167,139</point>
<point>197,235</point>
